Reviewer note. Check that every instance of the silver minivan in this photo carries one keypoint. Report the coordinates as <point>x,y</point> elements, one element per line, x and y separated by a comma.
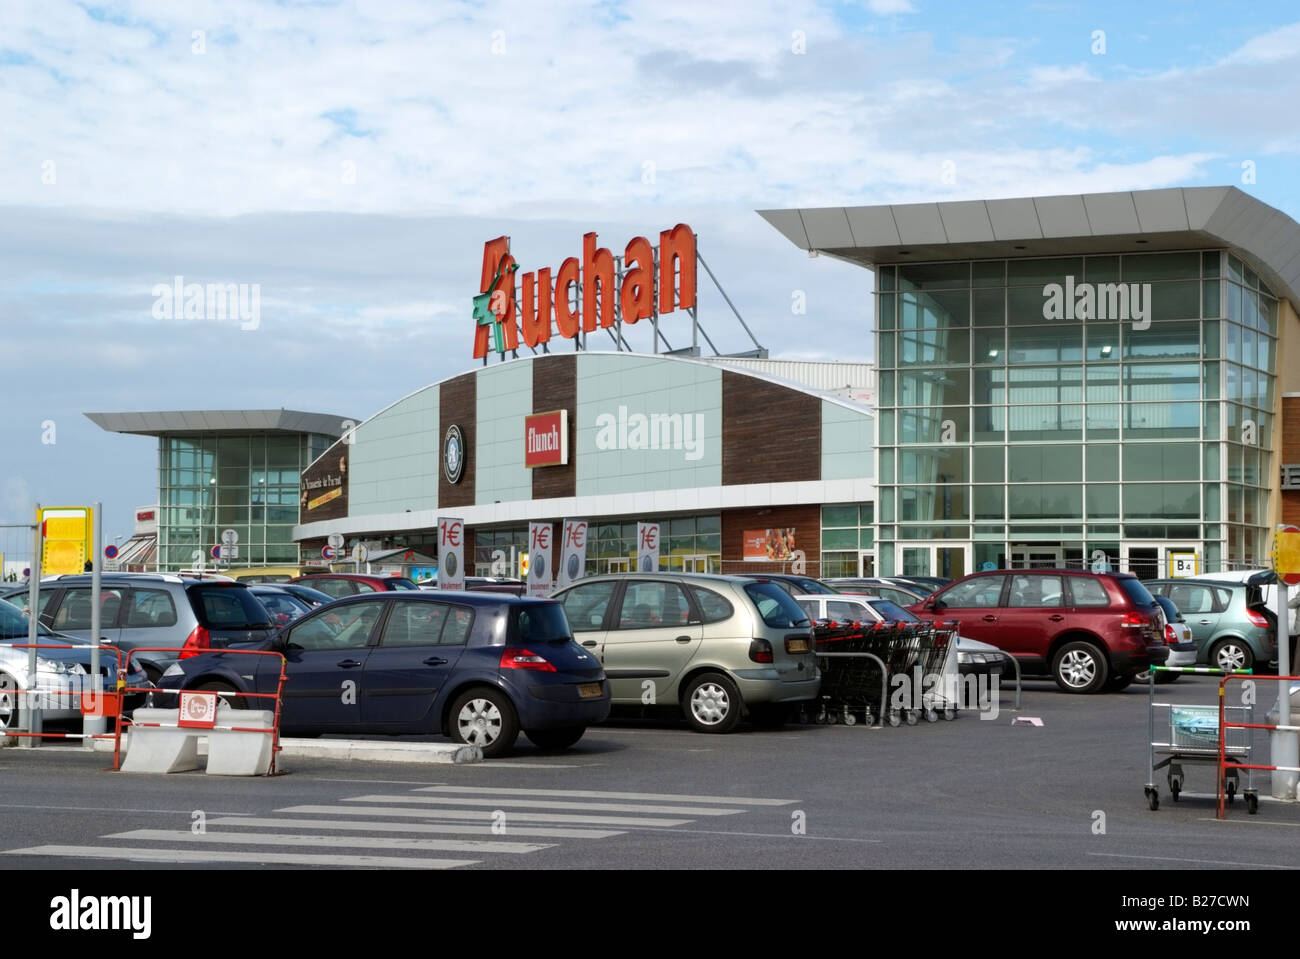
<point>717,647</point>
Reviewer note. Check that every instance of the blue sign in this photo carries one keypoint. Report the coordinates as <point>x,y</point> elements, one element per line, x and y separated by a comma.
<point>986,566</point>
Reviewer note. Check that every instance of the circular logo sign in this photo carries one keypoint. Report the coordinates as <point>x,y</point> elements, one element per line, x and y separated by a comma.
<point>538,567</point>
<point>647,564</point>
<point>449,564</point>
<point>573,566</point>
<point>453,454</point>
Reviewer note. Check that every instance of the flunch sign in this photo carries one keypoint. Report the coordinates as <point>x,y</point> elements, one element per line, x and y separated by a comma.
<point>596,305</point>
<point>546,439</point>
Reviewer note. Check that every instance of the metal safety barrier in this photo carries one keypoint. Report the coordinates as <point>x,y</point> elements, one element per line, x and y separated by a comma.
<point>1251,797</point>
<point>96,702</point>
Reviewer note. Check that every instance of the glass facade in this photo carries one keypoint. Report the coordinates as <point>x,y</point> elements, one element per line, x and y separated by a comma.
<point>1038,411</point>
<point>690,544</point>
<point>246,482</point>
<point>848,536</point>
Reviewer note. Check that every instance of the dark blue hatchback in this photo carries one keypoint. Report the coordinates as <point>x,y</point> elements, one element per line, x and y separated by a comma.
<point>478,667</point>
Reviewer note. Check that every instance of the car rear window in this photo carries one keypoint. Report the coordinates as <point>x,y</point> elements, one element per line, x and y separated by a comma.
<point>542,622</point>
<point>713,607</point>
<point>1137,593</point>
<point>396,582</point>
<point>228,607</point>
<point>776,606</point>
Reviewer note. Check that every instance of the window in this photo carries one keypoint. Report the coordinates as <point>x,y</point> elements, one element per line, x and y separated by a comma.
<point>150,607</point>
<point>845,612</point>
<point>1035,591</point>
<point>1088,592</point>
<point>341,627</point>
<point>414,624</point>
<point>336,588</point>
<point>1192,599</point>
<point>649,605</point>
<point>775,606</point>
<point>585,605</point>
<point>542,624</point>
<point>980,593</point>
<point>75,611</point>
<point>228,607</point>
<point>714,607</point>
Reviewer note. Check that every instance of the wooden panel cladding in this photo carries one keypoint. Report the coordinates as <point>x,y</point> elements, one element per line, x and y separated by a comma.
<point>770,433</point>
<point>555,387</point>
<point>805,520</point>
<point>457,399</point>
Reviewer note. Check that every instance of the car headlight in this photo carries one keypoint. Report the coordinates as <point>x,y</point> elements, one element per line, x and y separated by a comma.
<point>52,666</point>
<point>175,669</point>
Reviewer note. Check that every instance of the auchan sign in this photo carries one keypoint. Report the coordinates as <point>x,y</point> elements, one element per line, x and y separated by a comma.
<point>583,296</point>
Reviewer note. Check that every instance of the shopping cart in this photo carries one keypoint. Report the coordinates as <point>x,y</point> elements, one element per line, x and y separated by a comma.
<point>1193,739</point>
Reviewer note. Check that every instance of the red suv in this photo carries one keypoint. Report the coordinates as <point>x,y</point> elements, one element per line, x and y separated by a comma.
<point>1089,631</point>
<point>339,585</point>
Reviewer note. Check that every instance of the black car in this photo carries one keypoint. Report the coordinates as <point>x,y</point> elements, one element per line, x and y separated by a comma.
<point>478,667</point>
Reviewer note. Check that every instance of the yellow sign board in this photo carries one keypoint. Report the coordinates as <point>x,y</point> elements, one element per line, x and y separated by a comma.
<point>67,539</point>
<point>1286,553</point>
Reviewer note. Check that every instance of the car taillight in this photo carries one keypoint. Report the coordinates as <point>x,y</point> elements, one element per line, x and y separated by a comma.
<point>198,641</point>
<point>1170,637</point>
<point>760,651</point>
<point>524,659</point>
<point>1135,620</point>
<point>1257,618</point>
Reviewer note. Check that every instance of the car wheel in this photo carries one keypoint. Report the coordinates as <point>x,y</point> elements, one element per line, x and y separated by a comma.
<point>712,704</point>
<point>770,715</point>
<point>1079,667</point>
<point>1230,654</point>
<point>234,702</point>
<point>1164,679</point>
<point>485,718</point>
<point>8,703</point>
<point>555,738</point>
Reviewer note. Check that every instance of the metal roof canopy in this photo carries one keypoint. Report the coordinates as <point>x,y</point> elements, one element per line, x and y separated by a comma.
<point>166,422</point>
<point>1136,221</point>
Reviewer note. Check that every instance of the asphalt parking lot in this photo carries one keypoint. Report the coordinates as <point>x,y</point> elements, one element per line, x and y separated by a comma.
<point>966,794</point>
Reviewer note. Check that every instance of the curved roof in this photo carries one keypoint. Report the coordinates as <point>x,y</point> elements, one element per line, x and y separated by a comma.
<point>1180,218</point>
<point>162,422</point>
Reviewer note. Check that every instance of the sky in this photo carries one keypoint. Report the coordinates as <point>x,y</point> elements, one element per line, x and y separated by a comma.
<point>349,159</point>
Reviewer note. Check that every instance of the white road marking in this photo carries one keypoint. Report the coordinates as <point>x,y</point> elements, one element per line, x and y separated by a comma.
<point>179,812</point>
<point>1211,862</point>
<point>540,832</point>
<point>596,794</point>
<point>481,814</point>
<point>498,801</point>
<point>222,855</point>
<point>374,842</point>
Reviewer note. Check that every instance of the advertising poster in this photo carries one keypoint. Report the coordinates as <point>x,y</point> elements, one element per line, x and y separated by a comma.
<point>540,569</point>
<point>769,545</point>
<point>451,553</point>
<point>573,552</point>
<point>647,547</point>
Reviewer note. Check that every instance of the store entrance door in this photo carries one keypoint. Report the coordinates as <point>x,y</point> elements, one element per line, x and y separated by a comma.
<point>866,564</point>
<point>619,566</point>
<point>934,559</point>
<point>1041,556</point>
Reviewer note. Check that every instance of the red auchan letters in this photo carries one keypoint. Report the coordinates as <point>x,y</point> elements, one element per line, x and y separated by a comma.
<point>599,304</point>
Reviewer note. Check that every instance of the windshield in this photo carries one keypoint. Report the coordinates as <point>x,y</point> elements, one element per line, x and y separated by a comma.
<point>776,606</point>
<point>891,612</point>
<point>13,624</point>
<point>542,622</point>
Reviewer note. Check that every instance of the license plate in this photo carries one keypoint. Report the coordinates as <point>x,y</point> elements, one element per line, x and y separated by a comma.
<point>796,645</point>
<point>589,690</point>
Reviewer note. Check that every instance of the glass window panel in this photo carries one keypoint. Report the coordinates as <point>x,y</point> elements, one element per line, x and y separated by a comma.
<point>928,503</point>
<point>885,349</point>
<point>1249,277</point>
<point>1040,272</point>
<point>886,509</point>
<point>1103,341</point>
<point>840,538</point>
<point>1162,419</point>
<point>1268,315</point>
<point>987,464</point>
<point>1103,462</point>
<point>933,276</point>
<point>1213,504</point>
<point>1175,301</point>
<point>866,539</point>
<point>886,466</point>
<point>1054,343</point>
<point>1035,590</point>
<point>940,464</point>
<point>1211,461</point>
<point>1176,340</point>
<point>1162,501</point>
<point>1044,464</point>
<point>988,347</point>
<point>933,426</point>
<point>1161,266</point>
<point>929,310</point>
<point>1233,293</point>
<point>1210,263</point>
<point>709,523</point>
<point>867,514</point>
<point>930,388</point>
<point>988,502</point>
<point>933,347</point>
<point>1102,501</point>
<point>988,424</point>
<point>1103,421</point>
<point>1161,461</point>
<point>1161,381</point>
<point>885,311</point>
<point>1210,381</point>
<point>885,431</point>
<point>1044,502</point>
<point>1025,306</point>
<point>1265,347</point>
<point>833,516</point>
<point>1210,299</point>
<point>1031,424</point>
<point>886,380</point>
<point>989,273</point>
<point>990,386</point>
<point>989,307</point>
<point>885,278</point>
<point>1101,269</point>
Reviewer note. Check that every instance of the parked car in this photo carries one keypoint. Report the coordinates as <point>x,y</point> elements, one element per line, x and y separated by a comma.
<point>478,667</point>
<point>896,592</point>
<point>283,606</point>
<point>717,647</point>
<point>339,585</point>
<point>312,597</point>
<point>152,610</point>
<point>1088,631</point>
<point>1232,626</point>
<point>266,574</point>
<point>973,657</point>
<point>792,584</point>
<point>1266,581</point>
<point>61,674</point>
<point>1178,637</point>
